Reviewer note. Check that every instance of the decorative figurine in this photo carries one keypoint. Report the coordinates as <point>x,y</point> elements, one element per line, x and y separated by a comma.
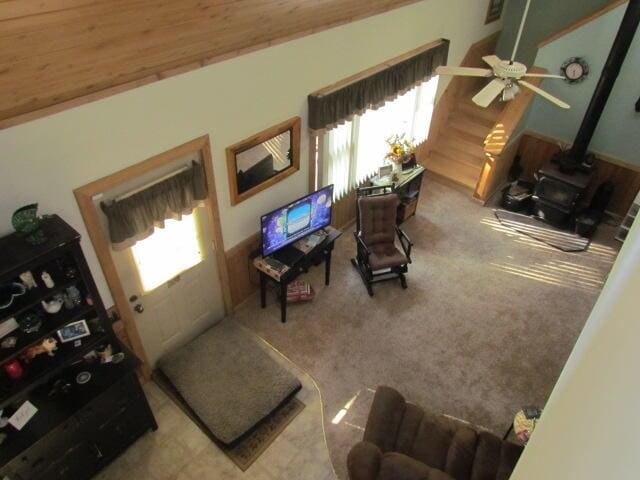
<point>48,281</point>
<point>30,322</point>
<point>13,369</point>
<point>28,224</point>
<point>48,346</point>
<point>52,307</point>
<point>27,279</point>
<point>74,295</point>
<point>105,353</point>
<point>8,342</point>
<point>68,302</point>
<point>70,272</point>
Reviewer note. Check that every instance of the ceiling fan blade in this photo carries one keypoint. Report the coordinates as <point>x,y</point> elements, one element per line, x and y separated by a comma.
<point>544,75</point>
<point>491,60</point>
<point>466,71</point>
<point>489,93</point>
<point>544,94</point>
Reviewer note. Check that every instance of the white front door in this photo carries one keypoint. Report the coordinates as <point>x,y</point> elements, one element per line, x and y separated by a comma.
<point>171,279</point>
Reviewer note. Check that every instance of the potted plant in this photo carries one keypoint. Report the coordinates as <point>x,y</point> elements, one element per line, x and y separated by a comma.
<point>401,151</point>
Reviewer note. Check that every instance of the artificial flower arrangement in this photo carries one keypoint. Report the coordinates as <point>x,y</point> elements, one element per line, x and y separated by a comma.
<point>400,148</point>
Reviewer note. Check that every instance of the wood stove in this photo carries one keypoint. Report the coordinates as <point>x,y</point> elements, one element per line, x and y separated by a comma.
<point>558,194</point>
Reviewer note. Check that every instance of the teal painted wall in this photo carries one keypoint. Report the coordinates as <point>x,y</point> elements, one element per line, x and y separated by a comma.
<point>618,133</point>
<point>546,17</point>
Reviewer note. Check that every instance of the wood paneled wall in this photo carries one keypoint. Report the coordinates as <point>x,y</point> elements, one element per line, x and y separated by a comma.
<point>65,52</point>
<point>536,150</point>
<point>243,277</point>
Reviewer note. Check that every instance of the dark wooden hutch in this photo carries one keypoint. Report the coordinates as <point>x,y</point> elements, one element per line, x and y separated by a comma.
<point>88,411</point>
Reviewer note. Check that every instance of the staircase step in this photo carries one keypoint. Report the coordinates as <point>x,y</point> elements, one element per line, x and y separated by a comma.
<point>455,171</point>
<point>487,116</point>
<point>452,139</point>
<point>468,128</point>
<point>455,155</point>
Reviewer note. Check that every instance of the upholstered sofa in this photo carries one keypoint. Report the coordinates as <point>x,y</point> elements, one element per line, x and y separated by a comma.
<point>404,442</point>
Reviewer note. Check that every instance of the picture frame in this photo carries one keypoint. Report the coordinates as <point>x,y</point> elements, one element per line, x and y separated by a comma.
<point>385,171</point>
<point>73,331</point>
<point>494,11</point>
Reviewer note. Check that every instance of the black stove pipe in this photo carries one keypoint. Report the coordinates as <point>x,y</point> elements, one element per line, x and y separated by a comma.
<point>607,80</point>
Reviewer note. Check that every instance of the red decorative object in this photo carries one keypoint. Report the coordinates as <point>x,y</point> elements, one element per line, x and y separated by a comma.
<point>14,369</point>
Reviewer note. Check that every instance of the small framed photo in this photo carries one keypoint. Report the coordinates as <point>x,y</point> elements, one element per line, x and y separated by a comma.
<point>385,171</point>
<point>494,12</point>
<point>74,331</point>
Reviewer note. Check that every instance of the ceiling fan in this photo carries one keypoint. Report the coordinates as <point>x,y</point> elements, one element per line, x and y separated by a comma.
<point>508,76</point>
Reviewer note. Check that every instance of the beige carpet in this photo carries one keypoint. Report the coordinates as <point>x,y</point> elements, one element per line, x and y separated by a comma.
<point>486,324</point>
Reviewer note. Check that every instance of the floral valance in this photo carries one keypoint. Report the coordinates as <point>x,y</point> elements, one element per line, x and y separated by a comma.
<point>134,217</point>
<point>329,107</point>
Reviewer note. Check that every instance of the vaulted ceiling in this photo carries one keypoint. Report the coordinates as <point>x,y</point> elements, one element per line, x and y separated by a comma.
<point>56,53</point>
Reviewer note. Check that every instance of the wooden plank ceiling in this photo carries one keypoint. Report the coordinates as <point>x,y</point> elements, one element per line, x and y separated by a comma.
<point>55,52</point>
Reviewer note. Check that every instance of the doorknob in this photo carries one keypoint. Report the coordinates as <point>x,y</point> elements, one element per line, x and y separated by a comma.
<point>139,308</point>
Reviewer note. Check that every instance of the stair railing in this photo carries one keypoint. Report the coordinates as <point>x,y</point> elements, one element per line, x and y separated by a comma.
<point>501,144</point>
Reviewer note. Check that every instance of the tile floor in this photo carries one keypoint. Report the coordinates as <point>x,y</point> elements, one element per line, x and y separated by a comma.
<point>178,450</point>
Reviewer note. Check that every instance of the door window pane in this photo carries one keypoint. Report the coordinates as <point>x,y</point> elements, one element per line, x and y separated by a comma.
<point>167,252</point>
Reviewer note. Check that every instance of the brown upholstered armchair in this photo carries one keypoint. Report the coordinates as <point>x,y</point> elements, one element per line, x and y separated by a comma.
<point>377,257</point>
<point>403,442</point>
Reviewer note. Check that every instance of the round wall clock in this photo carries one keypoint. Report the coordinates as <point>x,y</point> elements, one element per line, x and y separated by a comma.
<point>575,70</point>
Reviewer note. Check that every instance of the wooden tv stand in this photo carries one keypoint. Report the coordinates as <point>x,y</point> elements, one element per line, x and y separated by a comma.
<point>316,255</point>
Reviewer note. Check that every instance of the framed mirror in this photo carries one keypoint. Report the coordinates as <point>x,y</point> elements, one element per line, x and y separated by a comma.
<point>263,159</point>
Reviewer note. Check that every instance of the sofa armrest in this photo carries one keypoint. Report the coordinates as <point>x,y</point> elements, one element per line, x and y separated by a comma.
<point>385,418</point>
<point>363,461</point>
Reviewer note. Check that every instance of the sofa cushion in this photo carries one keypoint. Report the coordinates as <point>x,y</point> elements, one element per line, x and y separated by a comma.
<point>408,429</point>
<point>495,459</point>
<point>385,419</point>
<point>386,255</point>
<point>378,218</point>
<point>396,466</point>
<point>461,453</point>
<point>363,461</point>
<point>432,441</point>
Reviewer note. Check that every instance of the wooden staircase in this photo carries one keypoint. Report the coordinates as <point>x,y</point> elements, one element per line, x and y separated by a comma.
<point>458,153</point>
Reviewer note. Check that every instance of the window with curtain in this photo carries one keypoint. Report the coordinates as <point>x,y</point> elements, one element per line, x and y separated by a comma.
<point>354,151</point>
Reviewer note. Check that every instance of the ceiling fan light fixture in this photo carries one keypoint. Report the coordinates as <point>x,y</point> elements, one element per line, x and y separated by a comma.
<point>510,92</point>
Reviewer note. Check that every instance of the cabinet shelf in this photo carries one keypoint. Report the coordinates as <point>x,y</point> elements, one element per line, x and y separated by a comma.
<point>32,298</point>
<point>43,367</point>
<point>50,324</point>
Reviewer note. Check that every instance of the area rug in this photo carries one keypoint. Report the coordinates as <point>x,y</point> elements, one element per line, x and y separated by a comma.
<point>543,232</point>
<point>249,448</point>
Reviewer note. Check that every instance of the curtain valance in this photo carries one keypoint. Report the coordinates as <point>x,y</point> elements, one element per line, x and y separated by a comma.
<point>134,217</point>
<point>328,107</point>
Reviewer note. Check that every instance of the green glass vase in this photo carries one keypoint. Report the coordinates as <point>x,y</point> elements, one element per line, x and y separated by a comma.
<point>28,224</point>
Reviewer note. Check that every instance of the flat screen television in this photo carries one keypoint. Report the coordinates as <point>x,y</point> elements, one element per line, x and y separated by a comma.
<point>289,223</point>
